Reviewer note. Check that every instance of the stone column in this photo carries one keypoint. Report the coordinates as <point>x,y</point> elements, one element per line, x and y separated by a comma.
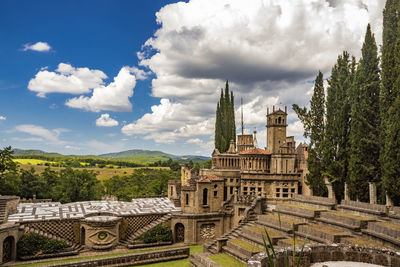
<point>372,193</point>
<point>389,202</point>
<point>331,194</point>
<point>346,192</point>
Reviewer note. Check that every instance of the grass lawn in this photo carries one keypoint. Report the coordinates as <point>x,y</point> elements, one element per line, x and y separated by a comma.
<point>226,260</point>
<point>193,249</point>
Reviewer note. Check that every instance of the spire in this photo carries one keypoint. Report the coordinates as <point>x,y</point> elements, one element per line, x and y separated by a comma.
<point>241,106</point>
<point>255,137</point>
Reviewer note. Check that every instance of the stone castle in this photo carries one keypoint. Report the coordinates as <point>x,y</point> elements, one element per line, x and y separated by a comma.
<point>239,175</point>
<point>227,209</point>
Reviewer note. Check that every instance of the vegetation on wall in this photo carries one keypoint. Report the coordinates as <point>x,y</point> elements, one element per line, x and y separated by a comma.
<point>32,244</point>
<point>157,234</point>
<point>225,128</point>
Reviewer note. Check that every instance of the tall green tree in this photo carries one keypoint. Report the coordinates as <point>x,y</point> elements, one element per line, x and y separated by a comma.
<point>9,178</point>
<point>336,142</point>
<point>225,128</point>
<point>389,101</point>
<point>365,122</point>
<point>313,121</point>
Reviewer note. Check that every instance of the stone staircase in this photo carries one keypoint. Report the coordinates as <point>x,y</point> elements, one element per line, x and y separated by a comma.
<point>3,204</point>
<point>130,240</point>
<point>75,247</point>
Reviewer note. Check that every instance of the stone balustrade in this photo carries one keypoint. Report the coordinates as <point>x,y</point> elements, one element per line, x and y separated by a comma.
<point>363,208</point>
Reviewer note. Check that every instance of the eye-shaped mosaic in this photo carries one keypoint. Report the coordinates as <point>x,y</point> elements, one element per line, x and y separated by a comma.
<point>103,237</point>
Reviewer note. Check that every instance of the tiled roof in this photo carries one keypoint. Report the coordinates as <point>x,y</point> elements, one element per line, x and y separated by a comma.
<point>209,178</point>
<point>255,151</point>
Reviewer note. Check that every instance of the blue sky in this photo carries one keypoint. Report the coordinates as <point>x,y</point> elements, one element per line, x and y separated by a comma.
<point>58,61</point>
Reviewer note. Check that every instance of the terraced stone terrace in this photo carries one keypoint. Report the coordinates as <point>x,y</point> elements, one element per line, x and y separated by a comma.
<point>315,225</point>
<point>322,234</point>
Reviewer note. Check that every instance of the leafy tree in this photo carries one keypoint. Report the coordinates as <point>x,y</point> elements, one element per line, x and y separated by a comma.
<point>225,128</point>
<point>30,184</point>
<point>335,147</point>
<point>78,185</point>
<point>9,178</point>
<point>364,126</point>
<point>313,121</point>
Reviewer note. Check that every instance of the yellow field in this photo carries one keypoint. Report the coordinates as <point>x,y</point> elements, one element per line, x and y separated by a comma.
<point>103,173</point>
<point>32,161</point>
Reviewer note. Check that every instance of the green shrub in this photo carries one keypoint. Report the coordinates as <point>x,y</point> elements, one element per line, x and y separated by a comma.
<point>32,244</point>
<point>156,234</point>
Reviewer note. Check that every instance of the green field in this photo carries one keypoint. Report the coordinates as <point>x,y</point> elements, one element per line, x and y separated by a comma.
<point>103,173</point>
<point>33,161</point>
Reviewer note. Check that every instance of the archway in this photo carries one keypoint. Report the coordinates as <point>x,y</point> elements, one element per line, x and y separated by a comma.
<point>8,247</point>
<point>83,236</point>
<point>179,232</point>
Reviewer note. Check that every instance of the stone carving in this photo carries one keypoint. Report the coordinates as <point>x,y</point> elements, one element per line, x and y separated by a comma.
<point>207,231</point>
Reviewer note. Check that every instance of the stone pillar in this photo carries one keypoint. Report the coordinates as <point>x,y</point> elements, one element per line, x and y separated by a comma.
<point>372,193</point>
<point>346,192</point>
<point>389,202</point>
<point>331,194</point>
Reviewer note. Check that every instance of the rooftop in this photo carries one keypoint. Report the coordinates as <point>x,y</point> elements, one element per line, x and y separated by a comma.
<point>255,151</point>
<point>78,210</point>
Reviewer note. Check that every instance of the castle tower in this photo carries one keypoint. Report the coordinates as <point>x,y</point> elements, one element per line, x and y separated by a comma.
<point>276,129</point>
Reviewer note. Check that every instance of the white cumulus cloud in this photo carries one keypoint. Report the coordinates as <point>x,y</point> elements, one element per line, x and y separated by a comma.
<point>114,96</point>
<point>268,50</point>
<point>39,47</point>
<point>66,79</point>
<point>51,136</point>
<point>3,118</point>
<point>106,121</point>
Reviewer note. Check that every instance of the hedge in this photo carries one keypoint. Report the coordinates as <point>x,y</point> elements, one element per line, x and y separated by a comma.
<point>32,244</point>
<point>156,234</point>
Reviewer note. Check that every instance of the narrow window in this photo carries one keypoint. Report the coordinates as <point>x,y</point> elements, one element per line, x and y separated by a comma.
<point>172,190</point>
<point>205,196</point>
<point>215,193</point>
<point>187,199</point>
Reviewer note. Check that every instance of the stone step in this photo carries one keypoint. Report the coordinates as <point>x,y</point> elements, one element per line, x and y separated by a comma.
<point>244,247</point>
<point>255,234</point>
<point>322,233</point>
<point>300,211</point>
<point>386,231</point>
<point>282,223</point>
<point>235,253</point>
<point>345,220</point>
<point>288,242</point>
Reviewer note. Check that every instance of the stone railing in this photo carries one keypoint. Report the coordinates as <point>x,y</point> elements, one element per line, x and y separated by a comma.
<point>227,203</point>
<point>245,199</point>
<point>334,252</point>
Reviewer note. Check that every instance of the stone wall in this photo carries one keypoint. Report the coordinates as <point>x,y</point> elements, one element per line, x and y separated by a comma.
<point>333,252</point>
<point>133,259</point>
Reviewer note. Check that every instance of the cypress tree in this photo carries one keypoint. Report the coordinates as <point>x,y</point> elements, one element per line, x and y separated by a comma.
<point>225,128</point>
<point>364,125</point>
<point>313,121</point>
<point>336,142</point>
<point>390,156</point>
<point>389,102</point>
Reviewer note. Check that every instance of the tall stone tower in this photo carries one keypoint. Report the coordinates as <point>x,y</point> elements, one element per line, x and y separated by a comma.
<point>276,130</point>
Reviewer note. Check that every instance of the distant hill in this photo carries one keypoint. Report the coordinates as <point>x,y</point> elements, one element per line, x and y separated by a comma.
<point>30,152</point>
<point>139,152</point>
<point>133,155</point>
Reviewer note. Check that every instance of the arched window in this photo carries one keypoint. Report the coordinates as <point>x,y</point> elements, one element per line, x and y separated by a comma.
<point>205,196</point>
